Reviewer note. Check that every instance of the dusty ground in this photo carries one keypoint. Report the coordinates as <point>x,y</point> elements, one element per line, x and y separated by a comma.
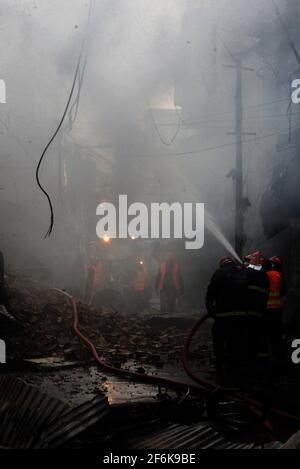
<point>145,343</point>
<point>45,317</point>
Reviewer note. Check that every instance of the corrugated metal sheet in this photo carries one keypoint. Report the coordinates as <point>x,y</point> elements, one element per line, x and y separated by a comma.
<point>176,436</point>
<point>30,418</point>
<point>24,412</point>
<point>292,443</point>
<point>74,422</point>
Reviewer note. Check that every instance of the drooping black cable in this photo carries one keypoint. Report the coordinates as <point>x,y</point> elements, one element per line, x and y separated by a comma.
<point>74,108</point>
<point>37,173</point>
<point>156,127</point>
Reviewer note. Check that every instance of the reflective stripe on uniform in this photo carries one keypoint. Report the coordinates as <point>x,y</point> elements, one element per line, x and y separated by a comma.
<point>274,299</point>
<point>275,294</point>
<point>230,314</point>
<point>255,288</point>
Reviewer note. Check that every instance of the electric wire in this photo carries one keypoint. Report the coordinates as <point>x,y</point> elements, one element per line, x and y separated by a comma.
<point>173,138</point>
<point>51,225</point>
<point>38,168</point>
<point>216,147</point>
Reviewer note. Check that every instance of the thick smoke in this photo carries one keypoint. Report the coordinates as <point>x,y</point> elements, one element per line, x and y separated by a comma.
<point>156,118</point>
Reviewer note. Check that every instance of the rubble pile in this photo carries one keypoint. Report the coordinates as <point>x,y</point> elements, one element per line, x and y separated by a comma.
<point>46,330</point>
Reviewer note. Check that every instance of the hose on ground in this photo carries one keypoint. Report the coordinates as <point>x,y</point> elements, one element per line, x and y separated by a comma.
<point>148,379</point>
<point>254,404</point>
<point>201,385</point>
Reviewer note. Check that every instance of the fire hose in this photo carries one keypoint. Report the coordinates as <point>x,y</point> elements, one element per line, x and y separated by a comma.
<point>226,392</point>
<point>202,385</point>
<point>148,379</point>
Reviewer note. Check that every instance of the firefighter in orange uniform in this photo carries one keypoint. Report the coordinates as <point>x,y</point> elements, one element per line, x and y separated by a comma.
<point>94,278</point>
<point>274,314</point>
<point>169,283</point>
<point>140,285</point>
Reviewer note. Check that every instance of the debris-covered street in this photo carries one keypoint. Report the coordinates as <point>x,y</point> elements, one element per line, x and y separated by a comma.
<point>150,227</point>
<point>53,360</point>
<point>148,338</point>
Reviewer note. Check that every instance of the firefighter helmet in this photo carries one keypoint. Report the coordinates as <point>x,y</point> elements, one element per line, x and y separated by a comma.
<point>225,260</point>
<point>276,260</point>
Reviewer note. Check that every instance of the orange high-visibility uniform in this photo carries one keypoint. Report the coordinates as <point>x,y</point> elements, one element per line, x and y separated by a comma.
<point>139,281</point>
<point>96,272</point>
<point>163,273</point>
<point>275,299</point>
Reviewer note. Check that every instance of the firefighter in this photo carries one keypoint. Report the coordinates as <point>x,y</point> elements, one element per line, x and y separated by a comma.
<point>169,283</point>
<point>274,314</point>
<point>225,302</point>
<point>140,277</point>
<point>94,279</point>
<point>140,286</point>
<point>258,287</point>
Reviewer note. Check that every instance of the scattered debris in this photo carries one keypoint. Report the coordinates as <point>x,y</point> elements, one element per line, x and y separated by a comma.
<point>46,319</point>
<point>53,363</point>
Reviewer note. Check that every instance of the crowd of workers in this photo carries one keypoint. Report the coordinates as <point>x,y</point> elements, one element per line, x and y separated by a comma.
<point>245,301</point>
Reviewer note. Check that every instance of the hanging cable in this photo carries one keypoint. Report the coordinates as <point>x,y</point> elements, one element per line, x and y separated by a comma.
<point>211,148</point>
<point>38,168</point>
<point>155,125</point>
<point>37,174</point>
<point>74,108</point>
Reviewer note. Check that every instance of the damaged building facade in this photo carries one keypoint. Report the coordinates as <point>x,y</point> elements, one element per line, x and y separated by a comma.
<point>150,214</point>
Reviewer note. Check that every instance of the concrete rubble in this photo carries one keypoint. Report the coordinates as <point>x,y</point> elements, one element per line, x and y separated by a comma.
<point>46,316</point>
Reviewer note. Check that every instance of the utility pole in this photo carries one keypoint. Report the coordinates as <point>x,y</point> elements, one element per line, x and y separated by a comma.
<point>241,202</point>
<point>239,210</point>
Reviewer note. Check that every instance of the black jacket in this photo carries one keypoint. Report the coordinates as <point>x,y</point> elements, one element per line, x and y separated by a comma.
<point>227,290</point>
<point>234,288</point>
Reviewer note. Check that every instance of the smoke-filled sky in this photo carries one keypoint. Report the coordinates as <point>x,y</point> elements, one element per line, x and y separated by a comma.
<point>156,111</point>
